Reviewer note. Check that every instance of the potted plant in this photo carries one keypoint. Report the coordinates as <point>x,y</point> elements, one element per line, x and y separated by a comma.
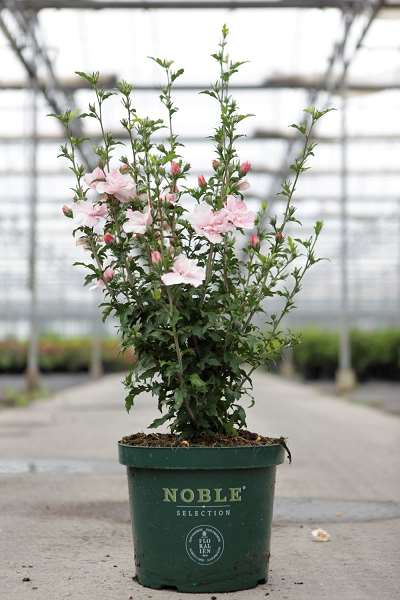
<point>185,269</point>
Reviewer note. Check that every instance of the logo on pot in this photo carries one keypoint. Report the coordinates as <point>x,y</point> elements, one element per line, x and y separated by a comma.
<point>204,544</point>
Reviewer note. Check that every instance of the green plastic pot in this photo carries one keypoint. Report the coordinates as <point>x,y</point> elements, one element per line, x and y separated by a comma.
<point>201,517</point>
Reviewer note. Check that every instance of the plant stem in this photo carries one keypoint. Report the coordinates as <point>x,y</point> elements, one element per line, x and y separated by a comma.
<point>179,357</point>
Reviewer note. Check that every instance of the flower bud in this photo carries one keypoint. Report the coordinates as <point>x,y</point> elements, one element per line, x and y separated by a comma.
<point>175,168</point>
<point>156,294</point>
<point>155,257</point>
<point>244,168</point>
<point>169,197</point>
<point>201,180</point>
<point>254,240</point>
<point>243,186</point>
<point>279,236</point>
<point>215,164</point>
<point>67,210</point>
<point>108,238</point>
<point>124,169</point>
<point>108,274</point>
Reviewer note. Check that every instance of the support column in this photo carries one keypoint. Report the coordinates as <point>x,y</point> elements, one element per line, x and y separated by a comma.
<point>32,373</point>
<point>345,377</point>
<point>96,362</point>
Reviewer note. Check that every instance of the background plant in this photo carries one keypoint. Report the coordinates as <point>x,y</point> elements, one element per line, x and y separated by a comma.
<point>58,354</point>
<point>186,285</point>
<point>375,354</point>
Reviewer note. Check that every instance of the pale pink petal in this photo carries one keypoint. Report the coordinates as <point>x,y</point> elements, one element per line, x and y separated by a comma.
<point>132,227</point>
<point>98,226</point>
<point>238,214</point>
<point>100,187</point>
<point>91,215</point>
<point>117,184</point>
<point>182,264</point>
<point>243,186</point>
<point>210,224</point>
<point>195,278</point>
<point>171,278</point>
<point>185,270</point>
<point>91,179</point>
<point>137,221</point>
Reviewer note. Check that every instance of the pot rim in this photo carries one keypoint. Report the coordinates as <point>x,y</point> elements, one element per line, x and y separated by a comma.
<point>201,457</point>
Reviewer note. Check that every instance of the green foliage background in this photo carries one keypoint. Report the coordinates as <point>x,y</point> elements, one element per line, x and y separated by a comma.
<point>375,354</point>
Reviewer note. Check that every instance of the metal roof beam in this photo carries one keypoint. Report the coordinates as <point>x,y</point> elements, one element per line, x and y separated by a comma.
<point>259,135</point>
<point>187,5</point>
<point>275,83</point>
<point>340,60</point>
<point>24,40</point>
<point>374,172</point>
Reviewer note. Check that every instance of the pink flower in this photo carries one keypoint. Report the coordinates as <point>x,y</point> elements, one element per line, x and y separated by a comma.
<point>184,270</point>
<point>108,238</point>
<point>155,257</point>
<point>243,186</point>
<point>254,240</point>
<point>210,224</point>
<point>106,277</point>
<point>93,178</point>
<point>201,180</point>
<point>91,215</point>
<point>168,197</point>
<point>67,210</point>
<point>175,168</point>
<point>108,274</point>
<point>238,214</point>
<point>137,221</point>
<point>244,168</point>
<point>122,187</point>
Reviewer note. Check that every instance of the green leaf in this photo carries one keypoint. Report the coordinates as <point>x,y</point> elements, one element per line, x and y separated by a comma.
<point>91,78</point>
<point>178,399</point>
<point>197,381</point>
<point>160,421</point>
<point>129,400</point>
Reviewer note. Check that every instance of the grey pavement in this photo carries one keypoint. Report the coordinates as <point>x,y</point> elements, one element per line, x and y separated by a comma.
<point>384,395</point>
<point>64,521</point>
<point>13,384</point>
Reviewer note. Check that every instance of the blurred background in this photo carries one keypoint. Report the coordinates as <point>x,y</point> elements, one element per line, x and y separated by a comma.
<point>344,54</point>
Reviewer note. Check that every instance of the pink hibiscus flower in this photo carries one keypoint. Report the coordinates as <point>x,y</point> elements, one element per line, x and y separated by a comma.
<point>95,177</point>
<point>184,270</point>
<point>137,221</point>
<point>238,214</point>
<point>122,187</point>
<point>212,225</point>
<point>91,215</point>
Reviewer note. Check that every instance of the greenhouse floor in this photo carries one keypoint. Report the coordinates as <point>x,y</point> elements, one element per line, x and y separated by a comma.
<point>64,523</point>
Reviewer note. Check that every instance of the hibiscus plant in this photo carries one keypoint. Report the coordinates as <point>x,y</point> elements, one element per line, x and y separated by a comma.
<point>187,268</point>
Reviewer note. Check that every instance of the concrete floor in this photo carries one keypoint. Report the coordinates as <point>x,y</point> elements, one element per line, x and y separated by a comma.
<point>64,522</point>
<point>384,395</point>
